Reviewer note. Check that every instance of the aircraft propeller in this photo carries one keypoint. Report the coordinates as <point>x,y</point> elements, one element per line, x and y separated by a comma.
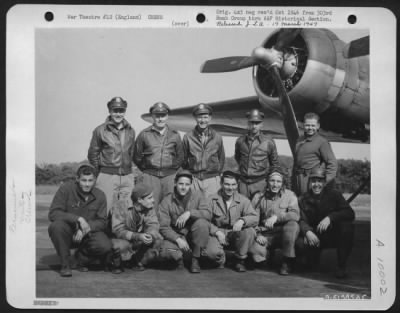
<point>273,60</point>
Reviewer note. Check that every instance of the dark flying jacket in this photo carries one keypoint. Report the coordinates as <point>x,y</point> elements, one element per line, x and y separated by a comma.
<point>255,157</point>
<point>314,209</point>
<point>111,150</point>
<point>203,161</point>
<point>156,154</point>
<point>69,204</point>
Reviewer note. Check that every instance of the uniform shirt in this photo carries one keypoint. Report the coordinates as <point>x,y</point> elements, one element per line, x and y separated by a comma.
<point>69,204</point>
<point>314,209</point>
<point>314,151</point>
<point>128,223</point>
<point>203,160</point>
<point>255,156</point>
<point>172,207</point>
<point>225,217</point>
<point>111,149</point>
<point>283,204</point>
<point>158,154</point>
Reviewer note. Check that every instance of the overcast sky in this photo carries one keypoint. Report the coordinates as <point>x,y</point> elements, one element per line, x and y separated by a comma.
<point>79,70</point>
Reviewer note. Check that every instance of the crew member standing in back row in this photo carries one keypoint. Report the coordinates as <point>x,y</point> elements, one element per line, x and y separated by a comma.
<point>255,154</point>
<point>159,153</point>
<point>111,153</point>
<point>204,152</point>
<point>312,151</point>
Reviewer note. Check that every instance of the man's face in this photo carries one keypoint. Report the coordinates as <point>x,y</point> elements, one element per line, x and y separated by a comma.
<point>311,126</point>
<point>117,115</point>
<point>275,183</point>
<point>183,185</point>
<point>147,202</point>
<point>86,182</point>
<point>160,120</point>
<point>254,127</point>
<point>317,184</point>
<point>229,186</point>
<point>203,120</point>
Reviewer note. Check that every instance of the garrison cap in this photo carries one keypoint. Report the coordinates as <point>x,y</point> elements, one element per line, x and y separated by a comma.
<point>117,102</point>
<point>255,116</point>
<point>140,191</point>
<point>184,173</point>
<point>160,107</point>
<point>202,108</point>
<point>318,172</point>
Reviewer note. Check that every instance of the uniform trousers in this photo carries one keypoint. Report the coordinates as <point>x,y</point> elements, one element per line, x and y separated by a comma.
<point>339,235</point>
<point>281,236</point>
<point>196,234</point>
<point>145,254</point>
<point>250,189</point>
<point>115,187</point>
<point>95,245</point>
<point>239,241</point>
<point>208,186</point>
<point>161,187</point>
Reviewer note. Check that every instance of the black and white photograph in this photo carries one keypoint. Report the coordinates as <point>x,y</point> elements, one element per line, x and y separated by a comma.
<point>220,154</point>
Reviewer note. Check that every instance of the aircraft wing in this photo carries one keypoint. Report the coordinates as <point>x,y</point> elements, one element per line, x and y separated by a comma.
<point>229,119</point>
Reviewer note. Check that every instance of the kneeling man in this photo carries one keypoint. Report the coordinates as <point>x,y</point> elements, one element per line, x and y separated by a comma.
<point>233,219</point>
<point>78,216</point>
<point>184,222</point>
<point>136,228</point>
<point>278,227</point>
<point>326,221</point>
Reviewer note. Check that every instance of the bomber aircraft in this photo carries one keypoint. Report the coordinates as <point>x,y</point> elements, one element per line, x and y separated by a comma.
<point>296,71</point>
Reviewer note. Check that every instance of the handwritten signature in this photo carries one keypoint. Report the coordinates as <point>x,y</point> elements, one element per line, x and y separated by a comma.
<point>21,208</point>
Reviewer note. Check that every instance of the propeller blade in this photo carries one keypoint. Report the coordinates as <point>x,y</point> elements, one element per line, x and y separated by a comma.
<point>285,37</point>
<point>356,48</point>
<point>289,119</point>
<point>228,64</point>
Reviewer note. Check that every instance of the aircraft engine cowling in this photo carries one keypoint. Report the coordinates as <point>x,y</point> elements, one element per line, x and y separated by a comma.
<point>319,78</point>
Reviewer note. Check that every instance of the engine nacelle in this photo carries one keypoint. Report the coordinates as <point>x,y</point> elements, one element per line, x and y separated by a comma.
<point>319,78</point>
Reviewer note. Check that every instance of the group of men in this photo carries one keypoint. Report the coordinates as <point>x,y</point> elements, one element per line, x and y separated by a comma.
<point>185,204</point>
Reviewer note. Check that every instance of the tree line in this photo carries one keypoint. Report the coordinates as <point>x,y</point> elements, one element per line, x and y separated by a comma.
<point>351,173</point>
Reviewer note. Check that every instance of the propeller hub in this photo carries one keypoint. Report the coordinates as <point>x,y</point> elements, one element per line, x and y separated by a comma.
<point>268,57</point>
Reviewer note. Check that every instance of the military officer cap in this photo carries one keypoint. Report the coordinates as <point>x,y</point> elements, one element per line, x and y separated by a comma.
<point>140,191</point>
<point>117,102</point>
<point>184,173</point>
<point>202,108</point>
<point>255,116</point>
<point>160,107</point>
<point>318,172</point>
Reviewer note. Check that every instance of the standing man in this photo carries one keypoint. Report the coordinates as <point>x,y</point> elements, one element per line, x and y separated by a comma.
<point>204,152</point>
<point>78,216</point>
<point>232,221</point>
<point>159,153</point>
<point>326,222</point>
<point>312,151</point>
<point>255,153</point>
<point>136,228</point>
<point>111,153</point>
<point>278,228</point>
<point>184,221</point>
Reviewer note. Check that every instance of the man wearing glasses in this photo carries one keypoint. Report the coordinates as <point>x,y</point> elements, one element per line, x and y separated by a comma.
<point>111,153</point>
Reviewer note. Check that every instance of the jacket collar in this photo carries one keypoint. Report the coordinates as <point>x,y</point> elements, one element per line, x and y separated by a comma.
<point>111,125</point>
<point>90,195</point>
